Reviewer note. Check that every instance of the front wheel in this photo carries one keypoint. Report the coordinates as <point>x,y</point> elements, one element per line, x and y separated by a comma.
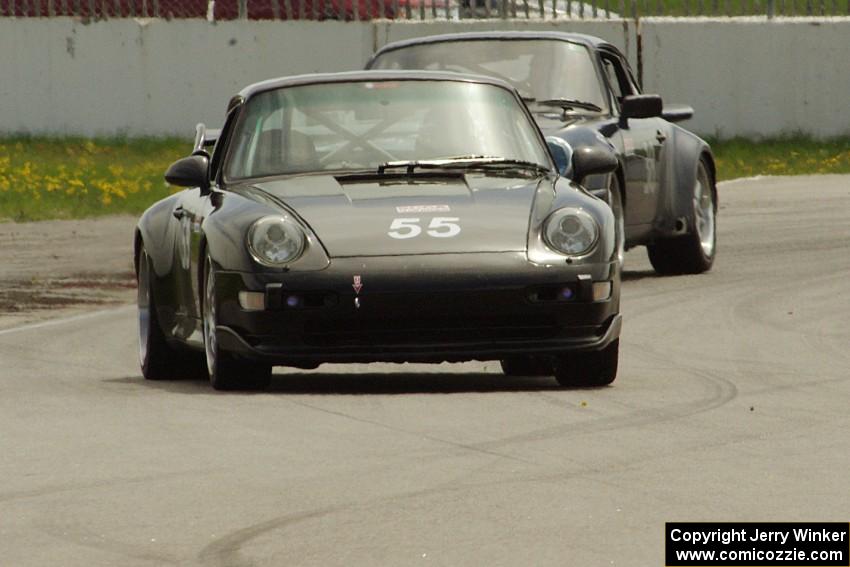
<point>693,253</point>
<point>589,369</point>
<point>226,372</point>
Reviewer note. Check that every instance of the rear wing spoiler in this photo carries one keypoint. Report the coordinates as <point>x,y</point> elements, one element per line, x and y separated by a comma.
<point>205,137</point>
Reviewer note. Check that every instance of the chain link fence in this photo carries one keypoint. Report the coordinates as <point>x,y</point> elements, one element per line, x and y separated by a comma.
<point>350,10</point>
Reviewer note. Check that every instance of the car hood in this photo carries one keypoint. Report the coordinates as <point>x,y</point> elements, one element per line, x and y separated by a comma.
<point>355,216</point>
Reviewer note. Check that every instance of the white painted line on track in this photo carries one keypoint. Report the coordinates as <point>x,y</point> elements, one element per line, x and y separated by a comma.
<point>54,322</point>
<point>743,179</point>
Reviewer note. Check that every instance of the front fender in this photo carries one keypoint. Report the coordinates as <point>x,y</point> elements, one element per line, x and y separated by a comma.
<point>225,231</point>
<point>569,194</point>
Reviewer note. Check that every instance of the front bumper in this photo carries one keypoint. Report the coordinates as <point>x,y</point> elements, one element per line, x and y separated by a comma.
<point>429,308</point>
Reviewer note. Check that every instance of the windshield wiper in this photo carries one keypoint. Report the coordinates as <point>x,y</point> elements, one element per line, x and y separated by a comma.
<point>468,161</point>
<point>570,104</point>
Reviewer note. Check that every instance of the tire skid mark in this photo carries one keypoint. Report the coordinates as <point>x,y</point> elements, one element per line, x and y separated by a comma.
<point>419,435</point>
<point>721,391</point>
<point>77,536</point>
<point>749,308</point>
<point>92,485</point>
<point>226,551</point>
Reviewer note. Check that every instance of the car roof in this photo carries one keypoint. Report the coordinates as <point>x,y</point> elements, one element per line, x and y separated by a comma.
<point>361,76</point>
<point>588,40</point>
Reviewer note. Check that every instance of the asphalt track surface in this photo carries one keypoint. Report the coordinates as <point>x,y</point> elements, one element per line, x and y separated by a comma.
<point>731,404</point>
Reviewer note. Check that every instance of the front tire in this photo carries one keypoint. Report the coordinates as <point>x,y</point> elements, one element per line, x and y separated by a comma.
<point>226,372</point>
<point>693,253</point>
<point>158,359</point>
<point>589,369</point>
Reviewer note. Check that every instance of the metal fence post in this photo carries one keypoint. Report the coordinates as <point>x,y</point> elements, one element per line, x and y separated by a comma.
<point>243,10</point>
<point>771,9</point>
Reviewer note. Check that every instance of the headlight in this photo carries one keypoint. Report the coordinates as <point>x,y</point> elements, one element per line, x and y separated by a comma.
<point>275,241</point>
<point>571,231</point>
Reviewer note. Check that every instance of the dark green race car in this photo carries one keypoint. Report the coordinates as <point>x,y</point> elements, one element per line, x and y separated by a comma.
<point>378,216</point>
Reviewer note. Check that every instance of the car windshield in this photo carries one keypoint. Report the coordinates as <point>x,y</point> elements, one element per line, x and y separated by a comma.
<point>366,125</point>
<point>540,69</point>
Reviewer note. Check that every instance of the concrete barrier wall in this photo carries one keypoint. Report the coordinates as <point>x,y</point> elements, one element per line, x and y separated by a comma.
<point>752,78</point>
<point>153,77</point>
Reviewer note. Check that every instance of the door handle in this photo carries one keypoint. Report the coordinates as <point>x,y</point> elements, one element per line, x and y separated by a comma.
<point>659,135</point>
<point>179,213</point>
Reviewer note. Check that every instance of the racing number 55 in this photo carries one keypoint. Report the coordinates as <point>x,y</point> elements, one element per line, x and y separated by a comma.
<point>439,227</point>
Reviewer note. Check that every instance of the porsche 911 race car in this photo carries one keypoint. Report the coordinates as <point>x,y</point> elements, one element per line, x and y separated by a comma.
<point>378,216</point>
<point>581,91</point>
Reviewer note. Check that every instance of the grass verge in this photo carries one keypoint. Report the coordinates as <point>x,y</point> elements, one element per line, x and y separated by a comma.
<point>780,156</point>
<point>61,178</point>
<point>45,178</point>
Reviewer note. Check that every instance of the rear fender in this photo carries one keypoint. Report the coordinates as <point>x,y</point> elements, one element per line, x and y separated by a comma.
<point>676,212</point>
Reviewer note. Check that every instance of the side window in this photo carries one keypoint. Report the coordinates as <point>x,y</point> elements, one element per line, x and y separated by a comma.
<point>221,144</point>
<point>618,77</point>
<point>636,89</point>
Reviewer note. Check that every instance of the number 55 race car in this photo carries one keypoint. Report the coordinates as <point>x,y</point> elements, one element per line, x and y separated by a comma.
<point>379,216</point>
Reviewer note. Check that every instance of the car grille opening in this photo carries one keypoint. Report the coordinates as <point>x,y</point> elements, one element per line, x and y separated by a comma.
<point>424,331</point>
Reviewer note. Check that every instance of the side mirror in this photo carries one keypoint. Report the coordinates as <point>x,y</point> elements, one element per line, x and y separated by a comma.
<point>192,171</point>
<point>677,112</point>
<point>562,154</point>
<point>641,106</point>
<point>591,160</point>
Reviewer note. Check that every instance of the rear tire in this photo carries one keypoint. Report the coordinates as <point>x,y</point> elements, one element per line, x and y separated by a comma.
<point>692,253</point>
<point>526,366</point>
<point>589,369</point>
<point>225,371</point>
<point>158,359</point>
